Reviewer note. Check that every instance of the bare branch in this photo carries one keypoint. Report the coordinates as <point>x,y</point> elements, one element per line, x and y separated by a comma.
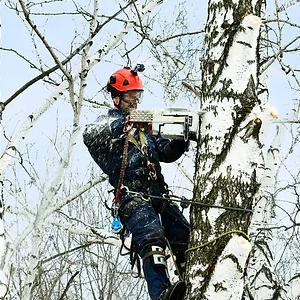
<point>68,285</point>
<point>43,39</point>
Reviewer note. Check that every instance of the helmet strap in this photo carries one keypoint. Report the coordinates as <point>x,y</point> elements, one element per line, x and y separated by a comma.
<point>120,95</point>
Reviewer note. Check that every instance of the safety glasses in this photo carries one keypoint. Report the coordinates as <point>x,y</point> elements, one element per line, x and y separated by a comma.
<point>133,96</point>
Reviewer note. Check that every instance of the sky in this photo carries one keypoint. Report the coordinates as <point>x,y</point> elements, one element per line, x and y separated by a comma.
<point>55,124</point>
<point>59,32</point>
<point>15,35</point>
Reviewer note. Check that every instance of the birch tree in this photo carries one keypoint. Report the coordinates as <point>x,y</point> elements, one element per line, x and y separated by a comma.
<point>230,164</point>
<point>57,243</point>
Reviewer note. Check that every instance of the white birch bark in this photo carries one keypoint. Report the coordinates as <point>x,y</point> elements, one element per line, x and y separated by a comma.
<point>261,279</point>
<point>229,155</point>
<point>260,272</point>
<point>293,287</point>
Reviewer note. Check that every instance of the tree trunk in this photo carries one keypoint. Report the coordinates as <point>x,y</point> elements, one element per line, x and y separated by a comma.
<point>14,147</point>
<point>4,273</point>
<point>229,152</point>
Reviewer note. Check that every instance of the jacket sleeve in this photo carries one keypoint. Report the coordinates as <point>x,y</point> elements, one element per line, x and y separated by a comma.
<point>170,150</point>
<point>103,137</point>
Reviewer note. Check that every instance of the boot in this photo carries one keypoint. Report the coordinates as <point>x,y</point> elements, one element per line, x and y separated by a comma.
<point>174,292</point>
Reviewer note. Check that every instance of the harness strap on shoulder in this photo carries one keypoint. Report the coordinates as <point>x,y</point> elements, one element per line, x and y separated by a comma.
<point>143,145</point>
<point>143,148</point>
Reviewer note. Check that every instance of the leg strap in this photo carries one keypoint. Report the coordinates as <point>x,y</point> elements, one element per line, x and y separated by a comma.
<point>157,256</point>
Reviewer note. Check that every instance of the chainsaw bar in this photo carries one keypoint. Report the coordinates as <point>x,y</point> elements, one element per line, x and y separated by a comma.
<point>141,116</point>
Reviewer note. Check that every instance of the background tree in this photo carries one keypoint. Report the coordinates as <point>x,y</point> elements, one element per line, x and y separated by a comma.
<point>57,241</point>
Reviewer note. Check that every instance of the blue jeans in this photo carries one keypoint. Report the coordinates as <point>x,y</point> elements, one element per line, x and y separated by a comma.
<point>147,229</point>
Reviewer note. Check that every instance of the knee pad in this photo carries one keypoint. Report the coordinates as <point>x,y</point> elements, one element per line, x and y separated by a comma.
<point>157,256</point>
<point>128,208</point>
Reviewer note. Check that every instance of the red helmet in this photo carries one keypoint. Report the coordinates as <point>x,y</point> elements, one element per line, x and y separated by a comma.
<point>124,80</point>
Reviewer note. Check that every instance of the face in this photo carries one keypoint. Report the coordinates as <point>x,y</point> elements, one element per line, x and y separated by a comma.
<point>130,100</point>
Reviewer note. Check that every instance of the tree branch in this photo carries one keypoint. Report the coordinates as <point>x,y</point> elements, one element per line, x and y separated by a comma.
<point>68,285</point>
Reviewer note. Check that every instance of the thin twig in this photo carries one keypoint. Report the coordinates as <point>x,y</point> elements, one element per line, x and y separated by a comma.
<point>87,244</point>
<point>175,36</point>
<point>68,285</point>
<point>42,38</point>
<point>56,67</point>
<point>32,65</point>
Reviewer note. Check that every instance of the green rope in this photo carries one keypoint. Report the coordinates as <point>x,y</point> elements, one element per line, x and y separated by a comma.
<point>203,245</point>
<point>183,200</point>
<point>174,261</point>
<point>216,238</point>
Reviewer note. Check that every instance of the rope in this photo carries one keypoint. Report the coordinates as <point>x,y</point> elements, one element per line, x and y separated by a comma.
<point>216,238</point>
<point>127,128</point>
<point>201,246</point>
<point>186,201</point>
<point>174,261</point>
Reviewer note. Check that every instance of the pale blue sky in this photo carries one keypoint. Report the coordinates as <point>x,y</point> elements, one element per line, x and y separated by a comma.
<point>59,33</point>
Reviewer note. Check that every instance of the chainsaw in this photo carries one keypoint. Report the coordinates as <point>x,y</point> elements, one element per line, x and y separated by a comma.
<point>172,123</point>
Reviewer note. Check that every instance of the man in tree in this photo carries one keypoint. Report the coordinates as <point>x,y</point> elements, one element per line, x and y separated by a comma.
<point>131,158</point>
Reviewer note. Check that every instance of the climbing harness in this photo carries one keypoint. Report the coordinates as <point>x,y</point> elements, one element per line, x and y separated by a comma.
<point>143,148</point>
<point>116,224</point>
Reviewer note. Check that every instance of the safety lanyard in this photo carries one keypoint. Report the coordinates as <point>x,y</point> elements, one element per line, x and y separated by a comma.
<point>144,149</point>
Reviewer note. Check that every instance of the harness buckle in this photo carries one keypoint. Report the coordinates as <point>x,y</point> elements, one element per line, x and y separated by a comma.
<point>124,190</point>
<point>152,171</point>
<point>185,203</point>
<point>144,149</point>
<point>114,209</point>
